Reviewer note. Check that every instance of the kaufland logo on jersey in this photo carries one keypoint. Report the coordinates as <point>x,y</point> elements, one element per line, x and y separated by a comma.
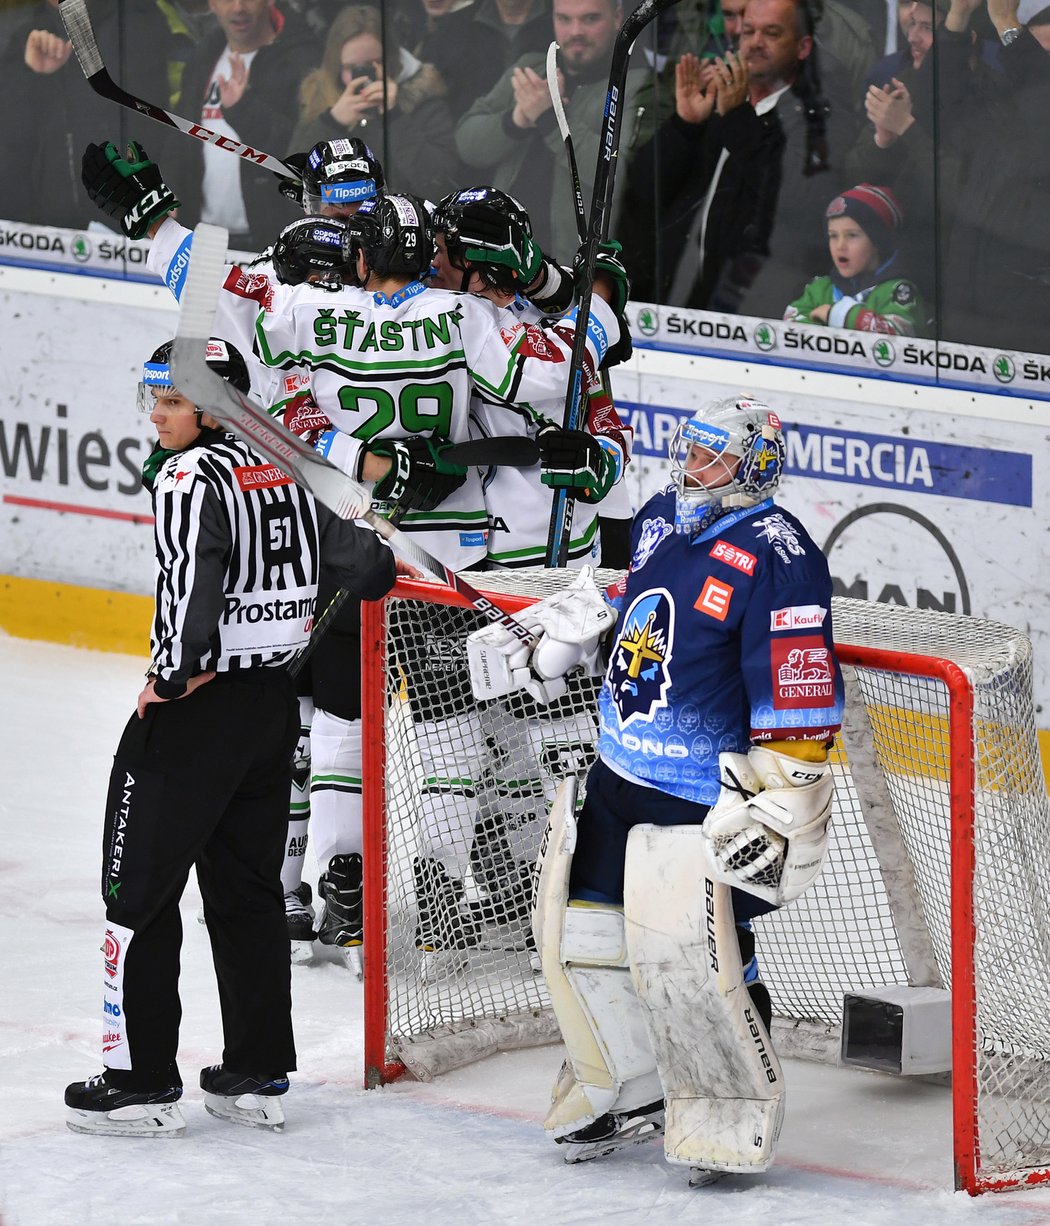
<point>797,617</point>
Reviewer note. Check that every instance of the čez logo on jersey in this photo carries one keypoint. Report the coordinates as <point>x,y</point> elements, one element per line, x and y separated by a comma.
<point>639,675</point>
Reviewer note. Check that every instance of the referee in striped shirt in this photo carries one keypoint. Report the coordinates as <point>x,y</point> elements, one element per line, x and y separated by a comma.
<point>203,770</point>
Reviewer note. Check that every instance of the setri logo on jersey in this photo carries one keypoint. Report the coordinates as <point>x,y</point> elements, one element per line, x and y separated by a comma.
<point>734,556</point>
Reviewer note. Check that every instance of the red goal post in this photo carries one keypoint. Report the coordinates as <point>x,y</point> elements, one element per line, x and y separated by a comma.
<point>936,874</point>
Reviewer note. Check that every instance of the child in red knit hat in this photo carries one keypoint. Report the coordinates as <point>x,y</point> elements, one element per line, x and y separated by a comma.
<point>865,289</point>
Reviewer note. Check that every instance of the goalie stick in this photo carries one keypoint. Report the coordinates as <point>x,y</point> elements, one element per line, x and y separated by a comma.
<point>75,18</point>
<point>200,384</point>
<point>560,526</point>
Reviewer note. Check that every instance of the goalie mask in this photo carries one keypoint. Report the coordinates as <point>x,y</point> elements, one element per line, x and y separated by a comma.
<point>481,201</point>
<point>395,235</point>
<point>221,357</point>
<point>730,453</point>
<point>313,248</point>
<point>340,174</point>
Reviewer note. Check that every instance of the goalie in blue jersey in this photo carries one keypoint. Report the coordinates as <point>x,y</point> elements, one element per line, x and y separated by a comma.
<point>708,804</point>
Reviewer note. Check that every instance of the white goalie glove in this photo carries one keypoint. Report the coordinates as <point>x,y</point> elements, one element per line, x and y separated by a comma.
<point>568,629</point>
<point>768,831</point>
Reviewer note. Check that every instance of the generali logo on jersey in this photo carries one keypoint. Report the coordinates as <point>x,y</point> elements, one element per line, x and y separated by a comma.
<point>797,617</point>
<point>802,673</point>
<point>261,477</point>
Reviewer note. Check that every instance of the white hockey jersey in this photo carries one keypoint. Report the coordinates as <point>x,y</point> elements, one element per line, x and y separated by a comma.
<point>519,505</point>
<point>395,367</point>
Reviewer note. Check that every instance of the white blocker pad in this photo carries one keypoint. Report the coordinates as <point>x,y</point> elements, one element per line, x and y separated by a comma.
<point>723,1085</point>
<point>584,959</point>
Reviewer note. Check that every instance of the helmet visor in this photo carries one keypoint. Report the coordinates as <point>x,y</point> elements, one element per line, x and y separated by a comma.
<point>156,377</point>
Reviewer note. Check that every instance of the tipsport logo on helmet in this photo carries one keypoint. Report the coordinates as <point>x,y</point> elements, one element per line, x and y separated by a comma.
<point>639,675</point>
<point>347,193</point>
<point>703,435</point>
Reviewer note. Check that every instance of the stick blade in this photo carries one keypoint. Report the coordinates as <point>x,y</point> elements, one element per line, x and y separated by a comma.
<point>75,18</point>
<point>203,386</point>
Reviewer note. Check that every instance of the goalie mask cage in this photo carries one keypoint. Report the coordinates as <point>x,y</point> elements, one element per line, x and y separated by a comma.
<point>936,872</point>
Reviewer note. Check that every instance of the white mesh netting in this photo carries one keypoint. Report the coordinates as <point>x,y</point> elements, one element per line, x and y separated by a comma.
<point>466,792</point>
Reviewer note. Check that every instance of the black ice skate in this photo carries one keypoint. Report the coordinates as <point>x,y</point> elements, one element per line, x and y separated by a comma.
<point>299,915</point>
<point>444,930</point>
<point>244,1098</point>
<point>97,1107</point>
<point>612,1131</point>
<point>342,921</point>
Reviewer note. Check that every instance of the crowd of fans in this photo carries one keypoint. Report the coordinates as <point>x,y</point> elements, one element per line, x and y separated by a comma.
<point>869,164</point>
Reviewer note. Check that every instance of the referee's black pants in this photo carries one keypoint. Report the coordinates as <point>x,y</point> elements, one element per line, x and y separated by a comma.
<point>203,780</point>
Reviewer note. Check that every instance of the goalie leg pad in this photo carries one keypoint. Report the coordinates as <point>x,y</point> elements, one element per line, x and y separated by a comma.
<point>583,955</point>
<point>723,1084</point>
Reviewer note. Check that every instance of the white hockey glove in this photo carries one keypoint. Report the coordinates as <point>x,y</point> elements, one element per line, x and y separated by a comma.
<point>768,831</point>
<point>568,629</point>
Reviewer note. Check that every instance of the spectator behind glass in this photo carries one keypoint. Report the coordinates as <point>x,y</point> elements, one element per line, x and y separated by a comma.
<point>473,46</point>
<point>510,136</point>
<point>730,183</point>
<point>419,23</point>
<point>50,112</point>
<point>896,146</point>
<point>395,103</point>
<point>865,290</point>
<point>238,81</point>
<point>995,287</point>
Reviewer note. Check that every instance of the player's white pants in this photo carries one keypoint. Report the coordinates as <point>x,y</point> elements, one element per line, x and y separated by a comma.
<point>298,802</point>
<point>452,756</point>
<point>723,1085</point>
<point>335,787</point>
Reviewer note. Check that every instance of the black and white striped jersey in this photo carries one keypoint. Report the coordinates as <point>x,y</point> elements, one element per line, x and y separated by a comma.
<point>239,546</point>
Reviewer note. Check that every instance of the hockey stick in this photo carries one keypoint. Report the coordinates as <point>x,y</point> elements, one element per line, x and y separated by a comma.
<point>75,18</point>
<point>566,135</point>
<point>597,231</point>
<point>510,450</point>
<point>346,497</point>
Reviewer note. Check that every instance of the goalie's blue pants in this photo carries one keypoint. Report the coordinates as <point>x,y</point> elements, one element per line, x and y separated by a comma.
<point>612,806</point>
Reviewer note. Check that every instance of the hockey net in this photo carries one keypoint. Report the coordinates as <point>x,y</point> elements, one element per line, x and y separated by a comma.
<point>936,873</point>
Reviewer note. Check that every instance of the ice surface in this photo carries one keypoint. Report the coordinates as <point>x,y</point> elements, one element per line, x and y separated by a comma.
<point>469,1148</point>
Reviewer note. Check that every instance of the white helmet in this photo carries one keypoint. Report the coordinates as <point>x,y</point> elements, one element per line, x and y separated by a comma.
<point>734,428</point>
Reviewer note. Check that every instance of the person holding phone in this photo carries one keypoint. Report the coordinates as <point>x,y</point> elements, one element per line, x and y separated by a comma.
<point>385,96</point>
